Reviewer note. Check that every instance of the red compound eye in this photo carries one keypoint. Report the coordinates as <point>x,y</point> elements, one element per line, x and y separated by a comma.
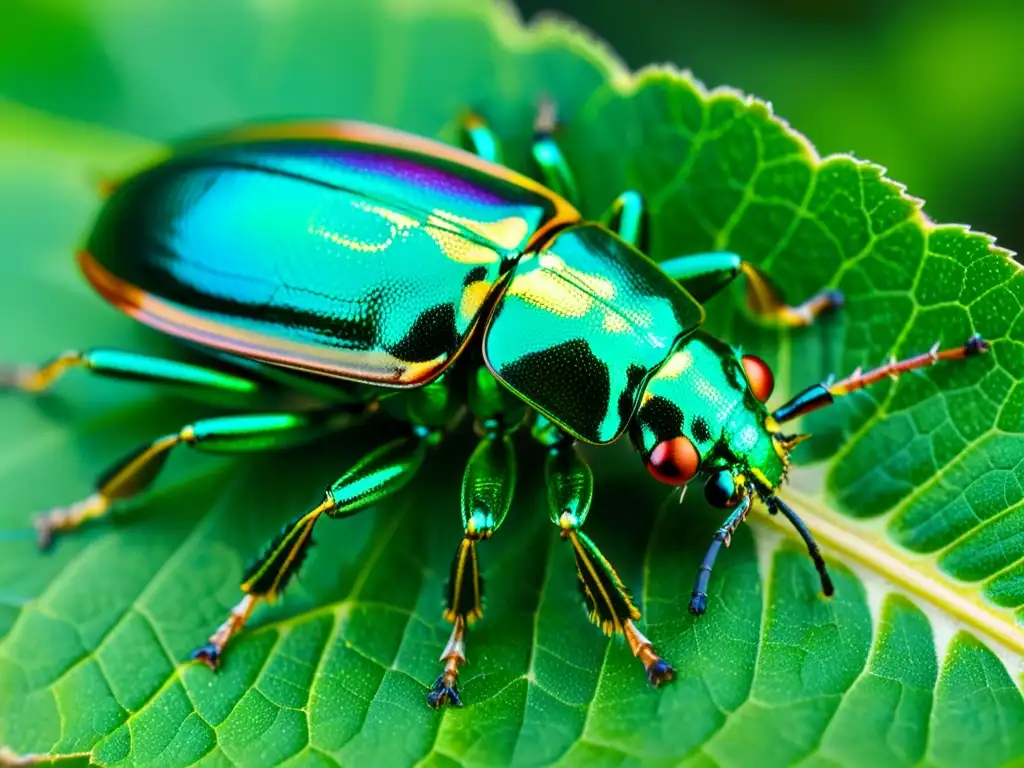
<point>673,462</point>
<point>759,376</point>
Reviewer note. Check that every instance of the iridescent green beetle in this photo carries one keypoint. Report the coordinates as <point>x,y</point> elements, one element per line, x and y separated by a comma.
<point>391,277</point>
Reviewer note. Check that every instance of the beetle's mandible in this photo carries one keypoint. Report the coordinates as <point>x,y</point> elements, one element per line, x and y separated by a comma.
<point>386,276</point>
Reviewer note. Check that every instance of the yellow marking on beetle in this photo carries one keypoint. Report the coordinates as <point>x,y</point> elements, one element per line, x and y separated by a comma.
<point>115,486</point>
<point>355,245</point>
<point>615,624</point>
<point>760,476</point>
<point>307,524</point>
<point>568,292</point>
<point>473,297</point>
<point>458,247</point>
<point>615,323</point>
<point>508,233</point>
<point>397,225</point>
<point>676,365</point>
<point>400,220</point>
<point>466,555</point>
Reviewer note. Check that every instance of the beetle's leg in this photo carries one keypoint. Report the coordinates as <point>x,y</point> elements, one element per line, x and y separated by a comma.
<point>555,171</point>
<point>820,395</point>
<point>776,505</point>
<point>377,475</point>
<point>570,486</point>
<point>699,596</point>
<point>116,364</point>
<point>627,217</point>
<point>705,274</point>
<point>228,434</point>
<point>487,488</point>
<point>480,139</point>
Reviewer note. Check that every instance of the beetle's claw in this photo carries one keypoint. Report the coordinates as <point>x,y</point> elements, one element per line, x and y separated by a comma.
<point>698,603</point>
<point>660,672</point>
<point>209,654</point>
<point>835,299</point>
<point>44,533</point>
<point>976,345</point>
<point>444,692</point>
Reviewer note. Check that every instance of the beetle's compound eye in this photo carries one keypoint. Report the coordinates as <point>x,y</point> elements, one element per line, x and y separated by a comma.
<point>759,376</point>
<point>673,462</point>
<point>720,490</point>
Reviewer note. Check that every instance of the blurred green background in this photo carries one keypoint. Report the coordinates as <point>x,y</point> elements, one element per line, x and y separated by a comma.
<point>931,89</point>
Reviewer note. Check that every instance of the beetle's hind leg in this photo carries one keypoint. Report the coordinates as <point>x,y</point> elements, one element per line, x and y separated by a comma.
<point>377,475</point>
<point>228,434</point>
<point>228,388</point>
<point>570,488</point>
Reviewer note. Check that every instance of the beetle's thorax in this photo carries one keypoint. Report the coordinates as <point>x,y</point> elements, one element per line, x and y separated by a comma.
<point>701,393</point>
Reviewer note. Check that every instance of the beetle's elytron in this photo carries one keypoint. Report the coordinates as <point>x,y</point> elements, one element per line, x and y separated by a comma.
<point>395,277</point>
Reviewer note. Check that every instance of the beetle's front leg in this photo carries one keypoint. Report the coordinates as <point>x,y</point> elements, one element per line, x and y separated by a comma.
<point>570,487</point>
<point>380,473</point>
<point>487,488</point>
<point>705,274</point>
<point>699,596</point>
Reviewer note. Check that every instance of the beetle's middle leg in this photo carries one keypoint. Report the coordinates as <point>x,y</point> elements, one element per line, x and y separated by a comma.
<point>380,473</point>
<point>570,487</point>
<point>487,488</point>
<point>555,172</point>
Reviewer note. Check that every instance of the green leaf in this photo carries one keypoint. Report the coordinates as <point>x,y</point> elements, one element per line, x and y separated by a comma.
<point>914,488</point>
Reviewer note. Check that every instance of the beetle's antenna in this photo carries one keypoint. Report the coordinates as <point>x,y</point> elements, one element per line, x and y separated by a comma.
<point>820,395</point>
<point>775,504</point>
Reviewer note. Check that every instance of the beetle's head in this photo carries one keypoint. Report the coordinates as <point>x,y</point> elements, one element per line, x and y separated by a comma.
<point>703,415</point>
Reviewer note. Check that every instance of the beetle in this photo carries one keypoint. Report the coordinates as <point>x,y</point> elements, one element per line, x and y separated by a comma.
<point>388,276</point>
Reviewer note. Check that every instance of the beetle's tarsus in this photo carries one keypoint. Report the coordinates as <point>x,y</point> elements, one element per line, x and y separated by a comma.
<point>11,376</point>
<point>446,688</point>
<point>698,603</point>
<point>209,654</point>
<point>976,345</point>
<point>660,672</point>
<point>48,524</point>
<point>445,691</point>
<point>835,300</point>
<point>827,588</point>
